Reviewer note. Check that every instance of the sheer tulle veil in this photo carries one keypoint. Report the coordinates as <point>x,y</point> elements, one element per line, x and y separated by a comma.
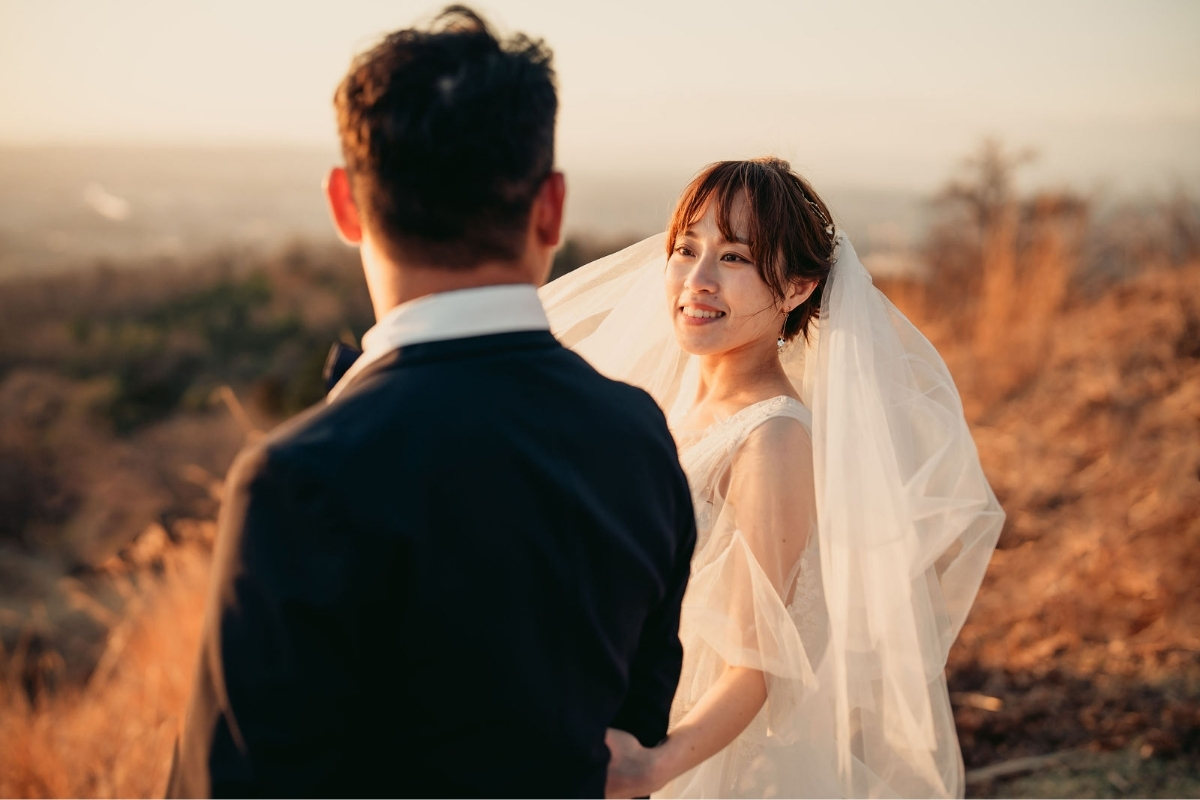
<point>905,517</point>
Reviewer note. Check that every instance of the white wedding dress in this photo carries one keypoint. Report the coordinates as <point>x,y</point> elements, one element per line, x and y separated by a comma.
<point>840,541</point>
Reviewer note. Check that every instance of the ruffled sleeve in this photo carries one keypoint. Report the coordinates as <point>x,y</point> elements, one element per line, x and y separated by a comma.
<point>737,600</point>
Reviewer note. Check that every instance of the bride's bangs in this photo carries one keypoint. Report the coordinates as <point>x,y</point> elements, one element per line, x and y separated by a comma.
<point>721,184</point>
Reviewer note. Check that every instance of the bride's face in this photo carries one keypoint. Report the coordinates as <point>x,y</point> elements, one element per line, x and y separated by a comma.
<point>718,301</point>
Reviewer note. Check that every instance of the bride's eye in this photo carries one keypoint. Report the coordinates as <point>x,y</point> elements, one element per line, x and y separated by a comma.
<point>735,258</point>
<point>683,250</point>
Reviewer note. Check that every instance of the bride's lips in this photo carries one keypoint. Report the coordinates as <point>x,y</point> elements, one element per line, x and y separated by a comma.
<point>700,314</point>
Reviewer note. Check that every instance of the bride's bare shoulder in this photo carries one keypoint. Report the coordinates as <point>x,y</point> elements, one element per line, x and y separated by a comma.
<point>782,435</point>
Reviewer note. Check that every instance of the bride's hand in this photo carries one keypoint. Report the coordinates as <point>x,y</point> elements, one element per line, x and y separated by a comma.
<point>631,768</point>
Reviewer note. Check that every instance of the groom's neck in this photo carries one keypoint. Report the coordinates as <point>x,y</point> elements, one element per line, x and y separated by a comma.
<point>391,283</point>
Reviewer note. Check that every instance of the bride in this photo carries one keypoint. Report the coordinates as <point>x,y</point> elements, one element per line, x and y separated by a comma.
<point>844,522</point>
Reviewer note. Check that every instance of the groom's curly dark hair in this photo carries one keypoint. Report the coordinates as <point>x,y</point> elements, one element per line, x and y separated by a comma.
<point>448,134</point>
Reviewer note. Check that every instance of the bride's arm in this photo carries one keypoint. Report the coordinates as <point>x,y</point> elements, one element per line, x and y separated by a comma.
<point>722,713</point>
<point>772,499</point>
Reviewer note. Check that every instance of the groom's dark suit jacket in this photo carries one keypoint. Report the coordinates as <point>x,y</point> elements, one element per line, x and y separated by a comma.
<point>449,581</point>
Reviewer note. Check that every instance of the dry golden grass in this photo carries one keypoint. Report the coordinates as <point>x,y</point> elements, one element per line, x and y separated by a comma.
<point>1023,290</point>
<point>112,737</point>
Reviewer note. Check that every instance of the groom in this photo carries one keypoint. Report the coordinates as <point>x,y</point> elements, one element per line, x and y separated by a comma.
<point>454,575</point>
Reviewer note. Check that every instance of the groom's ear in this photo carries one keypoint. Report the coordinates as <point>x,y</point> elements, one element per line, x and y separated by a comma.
<point>342,207</point>
<point>547,212</point>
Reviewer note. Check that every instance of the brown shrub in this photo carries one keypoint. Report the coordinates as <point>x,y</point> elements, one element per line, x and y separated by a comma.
<point>113,736</point>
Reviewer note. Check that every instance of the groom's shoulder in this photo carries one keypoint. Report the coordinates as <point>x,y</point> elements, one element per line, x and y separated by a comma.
<point>318,439</point>
<point>283,447</point>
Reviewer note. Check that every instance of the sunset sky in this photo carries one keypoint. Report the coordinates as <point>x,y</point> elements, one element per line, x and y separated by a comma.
<point>867,93</point>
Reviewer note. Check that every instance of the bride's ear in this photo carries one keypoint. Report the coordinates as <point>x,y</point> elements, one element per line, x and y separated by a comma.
<point>797,293</point>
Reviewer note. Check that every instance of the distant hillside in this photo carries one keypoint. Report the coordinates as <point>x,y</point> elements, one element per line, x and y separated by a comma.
<point>67,208</point>
<point>63,209</point>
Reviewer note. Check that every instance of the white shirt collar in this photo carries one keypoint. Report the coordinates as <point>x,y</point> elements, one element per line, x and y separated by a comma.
<point>450,315</point>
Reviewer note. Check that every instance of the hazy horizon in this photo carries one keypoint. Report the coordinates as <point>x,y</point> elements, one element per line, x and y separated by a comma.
<point>64,207</point>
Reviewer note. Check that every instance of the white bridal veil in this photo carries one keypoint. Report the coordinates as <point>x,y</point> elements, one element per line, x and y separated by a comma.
<point>906,521</point>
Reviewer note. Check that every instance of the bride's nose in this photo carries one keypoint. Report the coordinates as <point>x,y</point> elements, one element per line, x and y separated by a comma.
<point>702,277</point>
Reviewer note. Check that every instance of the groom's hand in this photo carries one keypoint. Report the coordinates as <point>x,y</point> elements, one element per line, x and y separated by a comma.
<point>630,768</point>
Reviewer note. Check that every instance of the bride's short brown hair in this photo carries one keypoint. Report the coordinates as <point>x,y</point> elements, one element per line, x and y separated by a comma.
<point>790,233</point>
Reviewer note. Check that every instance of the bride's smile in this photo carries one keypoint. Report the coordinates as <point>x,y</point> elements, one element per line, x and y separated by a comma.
<point>698,314</point>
